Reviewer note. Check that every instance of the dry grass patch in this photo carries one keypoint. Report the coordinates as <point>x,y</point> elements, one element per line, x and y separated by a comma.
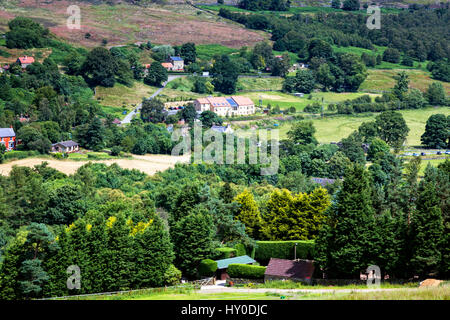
<point>383,80</point>
<point>121,95</point>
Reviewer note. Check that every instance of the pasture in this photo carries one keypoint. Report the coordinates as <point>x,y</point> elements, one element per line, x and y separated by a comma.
<point>383,80</point>
<point>334,128</point>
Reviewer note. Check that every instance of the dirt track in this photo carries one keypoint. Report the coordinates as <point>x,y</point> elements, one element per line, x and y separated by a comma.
<point>149,164</point>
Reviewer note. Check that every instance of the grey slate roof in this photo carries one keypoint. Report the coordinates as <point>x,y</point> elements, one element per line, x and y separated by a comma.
<point>67,144</point>
<point>223,264</point>
<point>7,132</point>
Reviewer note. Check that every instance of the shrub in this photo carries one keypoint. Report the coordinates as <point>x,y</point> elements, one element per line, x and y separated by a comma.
<point>58,155</point>
<point>17,154</point>
<point>225,253</point>
<point>240,250</point>
<point>283,250</point>
<point>238,270</point>
<point>115,151</point>
<point>207,267</point>
<point>172,276</point>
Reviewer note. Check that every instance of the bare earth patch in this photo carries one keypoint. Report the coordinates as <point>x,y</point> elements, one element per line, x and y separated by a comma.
<point>124,23</point>
<point>149,164</point>
<point>430,283</point>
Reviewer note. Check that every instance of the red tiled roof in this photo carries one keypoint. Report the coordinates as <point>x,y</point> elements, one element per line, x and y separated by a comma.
<point>302,269</point>
<point>167,65</point>
<point>242,101</point>
<point>26,60</point>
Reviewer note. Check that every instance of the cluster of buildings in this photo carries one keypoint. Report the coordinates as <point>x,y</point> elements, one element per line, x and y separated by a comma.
<point>172,64</point>
<point>8,139</point>
<point>226,106</point>
<point>277,269</point>
<point>24,62</point>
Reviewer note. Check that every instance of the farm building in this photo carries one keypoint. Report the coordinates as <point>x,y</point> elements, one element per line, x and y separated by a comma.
<point>222,265</point>
<point>296,270</point>
<point>25,61</point>
<point>65,146</point>
<point>177,62</point>
<point>223,106</point>
<point>8,138</point>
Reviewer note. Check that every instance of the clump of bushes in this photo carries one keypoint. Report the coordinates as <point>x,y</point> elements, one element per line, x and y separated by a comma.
<point>238,270</point>
<point>207,267</point>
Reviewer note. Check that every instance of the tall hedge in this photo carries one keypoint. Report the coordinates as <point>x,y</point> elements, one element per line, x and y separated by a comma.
<point>283,250</point>
<point>246,271</point>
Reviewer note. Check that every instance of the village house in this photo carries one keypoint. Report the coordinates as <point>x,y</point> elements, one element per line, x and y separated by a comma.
<point>25,61</point>
<point>65,146</point>
<point>8,138</point>
<point>177,62</point>
<point>222,106</point>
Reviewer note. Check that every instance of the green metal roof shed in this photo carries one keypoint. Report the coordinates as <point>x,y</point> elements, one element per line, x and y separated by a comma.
<point>223,264</point>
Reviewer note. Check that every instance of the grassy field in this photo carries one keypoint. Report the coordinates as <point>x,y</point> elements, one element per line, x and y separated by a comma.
<point>333,129</point>
<point>424,163</point>
<point>252,83</point>
<point>381,80</point>
<point>434,293</point>
<point>284,100</point>
<point>207,51</point>
<point>118,98</point>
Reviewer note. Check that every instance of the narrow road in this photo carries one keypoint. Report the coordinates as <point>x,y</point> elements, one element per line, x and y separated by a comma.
<point>131,114</point>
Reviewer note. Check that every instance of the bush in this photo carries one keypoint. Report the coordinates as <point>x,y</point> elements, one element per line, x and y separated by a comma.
<point>283,250</point>
<point>172,276</point>
<point>225,253</point>
<point>207,267</point>
<point>115,151</point>
<point>240,250</point>
<point>238,270</point>
<point>16,154</point>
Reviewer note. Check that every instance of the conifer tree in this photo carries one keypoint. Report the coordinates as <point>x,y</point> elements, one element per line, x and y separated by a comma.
<point>153,254</point>
<point>345,243</point>
<point>427,231</point>
<point>192,237</point>
<point>249,213</point>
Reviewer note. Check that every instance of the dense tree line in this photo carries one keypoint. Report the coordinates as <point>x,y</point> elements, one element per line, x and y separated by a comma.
<point>400,225</point>
<point>420,34</point>
<point>272,5</point>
